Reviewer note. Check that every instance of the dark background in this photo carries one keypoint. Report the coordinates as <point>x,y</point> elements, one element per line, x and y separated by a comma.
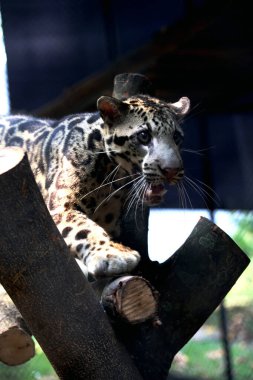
<point>70,50</point>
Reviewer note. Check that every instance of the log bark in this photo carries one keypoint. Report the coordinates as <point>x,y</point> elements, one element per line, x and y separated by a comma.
<point>63,312</point>
<point>16,344</point>
<point>48,287</point>
<point>191,284</point>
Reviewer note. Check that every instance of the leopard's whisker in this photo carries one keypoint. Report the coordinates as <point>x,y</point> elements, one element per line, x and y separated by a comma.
<point>138,201</point>
<point>196,188</point>
<point>144,189</point>
<point>183,198</point>
<point>199,152</point>
<point>114,176</point>
<point>181,195</point>
<point>103,152</point>
<point>192,114</point>
<point>106,184</point>
<point>186,195</point>
<point>133,193</point>
<point>204,194</point>
<point>113,193</point>
<point>192,151</point>
<point>133,189</point>
<point>107,178</point>
<point>208,188</point>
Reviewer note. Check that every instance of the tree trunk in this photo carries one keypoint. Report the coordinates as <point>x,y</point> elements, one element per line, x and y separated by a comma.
<point>191,284</point>
<point>47,286</point>
<point>64,313</point>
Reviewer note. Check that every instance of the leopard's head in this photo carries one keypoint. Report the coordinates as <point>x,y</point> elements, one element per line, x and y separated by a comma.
<point>143,135</point>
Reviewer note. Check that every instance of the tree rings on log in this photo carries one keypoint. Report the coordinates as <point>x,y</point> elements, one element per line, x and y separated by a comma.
<point>132,298</point>
<point>16,344</point>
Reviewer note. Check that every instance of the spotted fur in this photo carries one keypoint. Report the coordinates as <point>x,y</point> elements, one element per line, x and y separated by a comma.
<point>92,167</point>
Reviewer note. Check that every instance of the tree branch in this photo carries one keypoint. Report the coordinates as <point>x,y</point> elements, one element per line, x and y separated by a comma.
<point>48,287</point>
<point>191,283</point>
<point>63,312</point>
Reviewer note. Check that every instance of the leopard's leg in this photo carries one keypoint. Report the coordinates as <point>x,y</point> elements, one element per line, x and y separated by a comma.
<point>86,239</point>
<point>90,243</point>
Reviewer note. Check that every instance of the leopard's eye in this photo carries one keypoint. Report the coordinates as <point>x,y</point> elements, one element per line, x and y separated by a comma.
<point>144,137</point>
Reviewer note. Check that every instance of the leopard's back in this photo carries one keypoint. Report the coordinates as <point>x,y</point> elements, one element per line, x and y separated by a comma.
<point>92,168</point>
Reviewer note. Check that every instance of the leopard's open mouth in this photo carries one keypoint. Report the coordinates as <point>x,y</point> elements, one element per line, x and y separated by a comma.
<point>154,194</point>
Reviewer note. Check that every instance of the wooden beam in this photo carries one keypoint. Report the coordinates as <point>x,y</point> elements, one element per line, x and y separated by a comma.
<point>84,94</point>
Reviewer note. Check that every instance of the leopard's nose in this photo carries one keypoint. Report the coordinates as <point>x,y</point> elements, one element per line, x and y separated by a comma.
<point>173,174</point>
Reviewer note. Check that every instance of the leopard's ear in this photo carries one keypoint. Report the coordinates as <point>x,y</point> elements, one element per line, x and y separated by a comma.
<point>181,107</point>
<point>111,109</point>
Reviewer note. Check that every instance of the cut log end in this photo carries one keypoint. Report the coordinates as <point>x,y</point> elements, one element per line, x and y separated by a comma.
<point>132,298</point>
<point>16,347</point>
<point>16,344</point>
<point>10,157</point>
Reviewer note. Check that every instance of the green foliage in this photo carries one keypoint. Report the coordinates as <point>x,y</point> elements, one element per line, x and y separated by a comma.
<point>38,368</point>
<point>205,361</point>
<point>244,233</point>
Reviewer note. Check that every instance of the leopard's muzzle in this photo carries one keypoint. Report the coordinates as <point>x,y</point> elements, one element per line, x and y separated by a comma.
<point>155,192</point>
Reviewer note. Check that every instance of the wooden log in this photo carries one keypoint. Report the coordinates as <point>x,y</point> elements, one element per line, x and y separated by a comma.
<point>49,289</point>
<point>16,344</point>
<point>131,298</point>
<point>38,273</point>
<point>191,284</point>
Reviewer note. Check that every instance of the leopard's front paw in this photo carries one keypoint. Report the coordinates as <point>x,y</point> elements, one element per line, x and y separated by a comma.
<point>112,260</point>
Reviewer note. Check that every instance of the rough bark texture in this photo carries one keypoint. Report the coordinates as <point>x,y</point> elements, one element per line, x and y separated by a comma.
<point>49,289</point>
<point>191,285</point>
<point>64,313</point>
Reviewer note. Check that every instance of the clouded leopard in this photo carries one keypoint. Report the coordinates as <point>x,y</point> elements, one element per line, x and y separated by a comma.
<point>92,167</point>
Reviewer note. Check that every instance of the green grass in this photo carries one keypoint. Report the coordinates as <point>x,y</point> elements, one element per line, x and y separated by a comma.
<point>204,360</point>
